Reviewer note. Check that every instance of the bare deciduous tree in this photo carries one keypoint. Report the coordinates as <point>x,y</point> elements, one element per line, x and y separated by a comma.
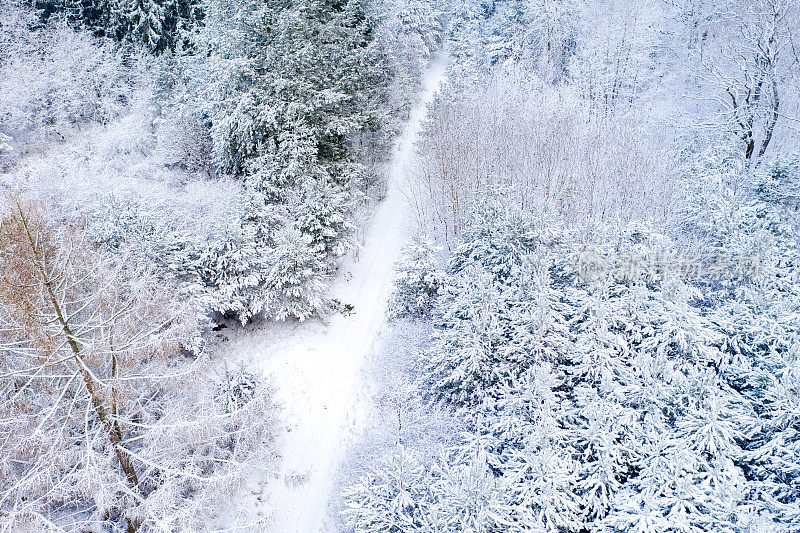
<point>104,418</point>
<point>541,143</point>
<point>754,65</point>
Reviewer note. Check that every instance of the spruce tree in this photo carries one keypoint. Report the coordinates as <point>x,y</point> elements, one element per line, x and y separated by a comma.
<point>418,279</point>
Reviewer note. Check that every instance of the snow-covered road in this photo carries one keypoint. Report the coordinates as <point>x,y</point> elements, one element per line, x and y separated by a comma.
<point>315,368</point>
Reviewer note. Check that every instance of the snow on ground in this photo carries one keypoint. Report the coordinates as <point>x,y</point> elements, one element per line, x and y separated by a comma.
<point>393,411</point>
<point>315,367</point>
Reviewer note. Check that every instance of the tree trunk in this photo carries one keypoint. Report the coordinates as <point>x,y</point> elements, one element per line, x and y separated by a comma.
<point>112,427</point>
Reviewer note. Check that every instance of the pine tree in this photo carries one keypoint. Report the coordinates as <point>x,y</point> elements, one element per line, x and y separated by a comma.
<point>287,82</point>
<point>142,20</point>
<point>474,498</point>
<point>294,280</point>
<point>323,219</point>
<point>612,384</point>
<point>418,280</point>
<point>467,359</point>
<point>497,238</point>
<point>393,497</point>
<point>409,32</point>
<point>155,25</point>
<point>233,270</point>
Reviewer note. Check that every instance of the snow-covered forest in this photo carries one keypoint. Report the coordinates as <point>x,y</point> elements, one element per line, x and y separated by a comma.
<point>354,266</point>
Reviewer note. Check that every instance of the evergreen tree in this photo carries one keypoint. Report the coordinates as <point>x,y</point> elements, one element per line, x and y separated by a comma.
<point>612,384</point>
<point>474,498</point>
<point>409,33</point>
<point>497,238</point>
<point>288,78</point>
<point>781,183</point>
<point>469,356</point>
<point>232,270</point>
<point>418,281</point>
<point>142,20</point>
<point>156,25</point>
<point>392,498</point>
<point>294,279</point>
<point>323,220</point>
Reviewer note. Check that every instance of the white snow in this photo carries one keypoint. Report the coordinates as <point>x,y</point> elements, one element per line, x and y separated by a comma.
<point>315,367</point>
